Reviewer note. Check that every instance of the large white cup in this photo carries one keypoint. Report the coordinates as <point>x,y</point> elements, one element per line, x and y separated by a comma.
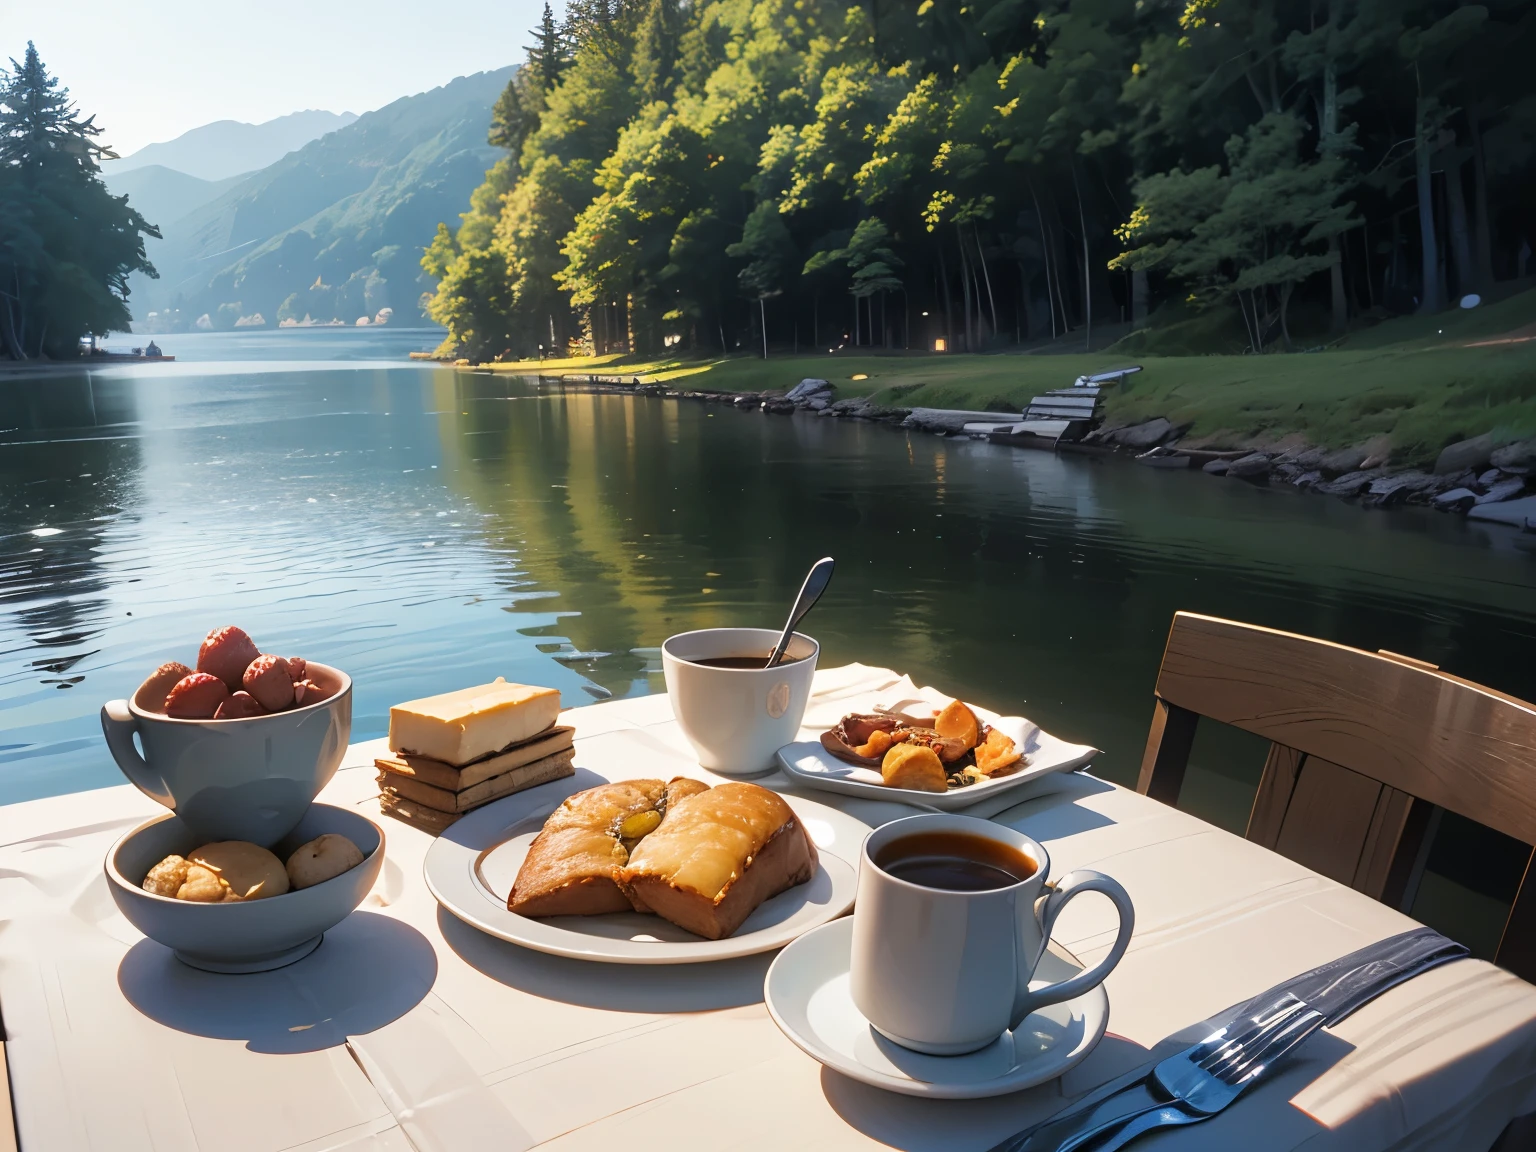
<point>737,718</point>
<point>945,972</point>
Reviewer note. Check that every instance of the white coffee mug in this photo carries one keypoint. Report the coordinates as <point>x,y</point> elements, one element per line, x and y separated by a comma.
<point>944,971</point>
<point>737,718</point>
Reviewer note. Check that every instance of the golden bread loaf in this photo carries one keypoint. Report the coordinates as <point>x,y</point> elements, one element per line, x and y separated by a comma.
<point>570,866</point>
<point>716,856</point>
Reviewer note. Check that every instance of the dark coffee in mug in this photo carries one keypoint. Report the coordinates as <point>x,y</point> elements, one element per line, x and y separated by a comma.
<point>954,862</point>
<point>740,661</point>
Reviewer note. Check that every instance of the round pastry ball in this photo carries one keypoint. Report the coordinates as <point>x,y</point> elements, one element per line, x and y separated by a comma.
<point>167,877</point>
<point>232,870</point>
<point>321,859</point>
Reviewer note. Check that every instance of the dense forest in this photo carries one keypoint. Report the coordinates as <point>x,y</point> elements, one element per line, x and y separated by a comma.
<point>67,245</point>
<point>738,174</point>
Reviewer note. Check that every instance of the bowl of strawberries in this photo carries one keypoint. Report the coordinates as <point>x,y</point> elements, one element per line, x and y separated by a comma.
<point>237,746</point>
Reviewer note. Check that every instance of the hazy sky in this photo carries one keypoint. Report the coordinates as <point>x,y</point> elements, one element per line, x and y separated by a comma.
<point>150,71</point>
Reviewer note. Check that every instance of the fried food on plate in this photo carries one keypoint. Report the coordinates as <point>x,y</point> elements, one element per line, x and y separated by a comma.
<point>997,755</point>
<point>957,722</point>
<point>967,750</point>
<point>914,766</point>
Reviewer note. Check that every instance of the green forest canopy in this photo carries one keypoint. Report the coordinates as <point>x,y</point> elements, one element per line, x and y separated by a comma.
<point>726,173</point>
<point>67,245</point>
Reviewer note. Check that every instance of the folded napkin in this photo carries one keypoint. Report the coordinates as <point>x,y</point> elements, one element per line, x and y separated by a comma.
<point>1336,989</point>
<point>1339,989</point>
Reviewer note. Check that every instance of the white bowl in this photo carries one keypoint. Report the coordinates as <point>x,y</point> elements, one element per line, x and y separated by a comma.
<point>248,935</point>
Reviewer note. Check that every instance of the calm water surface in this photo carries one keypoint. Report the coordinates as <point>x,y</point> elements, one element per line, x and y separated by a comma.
<point>427,528</point>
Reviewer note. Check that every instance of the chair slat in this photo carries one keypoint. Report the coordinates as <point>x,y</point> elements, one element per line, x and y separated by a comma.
<point>1281,767</point>
<point>1329,818</point>
<point>1381,842</point>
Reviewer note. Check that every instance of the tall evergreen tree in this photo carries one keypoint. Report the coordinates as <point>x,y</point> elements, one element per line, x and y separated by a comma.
<point>67,245</point>
<point>549,54</point>
<point>655,56</point>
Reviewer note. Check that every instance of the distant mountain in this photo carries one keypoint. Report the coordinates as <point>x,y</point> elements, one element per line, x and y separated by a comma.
<point>334,230</point>
<point>227,147</point>
<point>163,195</point>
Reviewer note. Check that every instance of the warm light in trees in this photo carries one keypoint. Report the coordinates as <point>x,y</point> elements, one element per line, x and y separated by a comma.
<point>939,345</point>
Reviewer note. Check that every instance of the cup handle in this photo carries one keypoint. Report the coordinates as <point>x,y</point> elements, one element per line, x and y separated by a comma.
<point>118,725</point>
<point>1047,909</point>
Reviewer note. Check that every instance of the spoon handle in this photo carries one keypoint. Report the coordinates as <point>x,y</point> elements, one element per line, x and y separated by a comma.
<point>816,581</point>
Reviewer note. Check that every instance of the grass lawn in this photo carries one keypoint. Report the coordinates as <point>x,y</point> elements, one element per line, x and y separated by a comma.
<point>1415,381</point>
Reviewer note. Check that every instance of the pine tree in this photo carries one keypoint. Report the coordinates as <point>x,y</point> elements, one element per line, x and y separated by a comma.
<point>549,54</point>
<point>38,123</point>
<point>67,245</point>
<point>655,55</point>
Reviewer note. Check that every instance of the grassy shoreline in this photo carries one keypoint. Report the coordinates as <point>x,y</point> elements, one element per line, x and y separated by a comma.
<point>1417,399</point>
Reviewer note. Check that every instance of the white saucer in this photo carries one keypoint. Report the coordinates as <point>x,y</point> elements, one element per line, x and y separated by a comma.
<point>806,992</point>
<point>471,866</point>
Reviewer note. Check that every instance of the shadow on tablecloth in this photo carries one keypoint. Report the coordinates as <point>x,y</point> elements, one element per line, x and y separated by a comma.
<point>648,988</point>
<point>369,970</point>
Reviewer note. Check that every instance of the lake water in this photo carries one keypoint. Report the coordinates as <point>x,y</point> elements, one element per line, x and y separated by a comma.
<point>428,528</point>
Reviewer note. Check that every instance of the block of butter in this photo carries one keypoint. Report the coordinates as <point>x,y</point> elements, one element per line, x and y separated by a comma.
<point>461,726</point>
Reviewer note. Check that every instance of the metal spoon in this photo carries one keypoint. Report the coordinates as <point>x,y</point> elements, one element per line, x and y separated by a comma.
<point>816,581</point>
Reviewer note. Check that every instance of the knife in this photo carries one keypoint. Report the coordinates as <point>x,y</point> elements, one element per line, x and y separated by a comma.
<point>1336,989</point>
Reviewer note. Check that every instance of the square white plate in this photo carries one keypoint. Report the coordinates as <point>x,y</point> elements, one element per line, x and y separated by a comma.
<point>807,762</point>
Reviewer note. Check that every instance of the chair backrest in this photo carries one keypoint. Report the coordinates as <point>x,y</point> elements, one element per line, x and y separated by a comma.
<point>1365,746</point>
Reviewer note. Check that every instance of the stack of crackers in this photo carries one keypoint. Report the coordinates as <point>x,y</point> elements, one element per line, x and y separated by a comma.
<point>431,792</point>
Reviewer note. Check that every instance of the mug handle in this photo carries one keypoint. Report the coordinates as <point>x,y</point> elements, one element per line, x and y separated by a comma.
<point>118,724</point>
<point>1046,910</point>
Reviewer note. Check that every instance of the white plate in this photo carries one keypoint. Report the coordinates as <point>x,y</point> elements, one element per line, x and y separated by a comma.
<point>808,762</point>
<point>807,995</point>
<point>470,869</point>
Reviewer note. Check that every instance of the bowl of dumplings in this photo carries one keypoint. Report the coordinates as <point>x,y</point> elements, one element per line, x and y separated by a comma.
<point>237,906</point>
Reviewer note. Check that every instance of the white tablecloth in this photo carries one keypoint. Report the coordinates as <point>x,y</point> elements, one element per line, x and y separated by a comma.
<point>408,1030</point>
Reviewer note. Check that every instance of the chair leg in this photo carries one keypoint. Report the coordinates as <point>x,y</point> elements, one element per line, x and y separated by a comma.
<point>1517,947</point>
<point>1167,753</point>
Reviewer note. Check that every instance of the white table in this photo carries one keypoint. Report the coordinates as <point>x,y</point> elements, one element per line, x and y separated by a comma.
<point>409,1031</point>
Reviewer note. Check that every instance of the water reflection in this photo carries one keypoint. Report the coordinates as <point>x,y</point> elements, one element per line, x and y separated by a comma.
<point>426,528</point>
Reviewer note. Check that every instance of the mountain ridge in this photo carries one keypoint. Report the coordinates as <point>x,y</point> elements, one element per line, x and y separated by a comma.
<point>163,195</point>
<point>334,229</point>
<point>225,148</point>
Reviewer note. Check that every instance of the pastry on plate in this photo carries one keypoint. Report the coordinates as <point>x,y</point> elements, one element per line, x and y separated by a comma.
<point>571,864</point>
<point>960,749</point>
<point>716,856</point>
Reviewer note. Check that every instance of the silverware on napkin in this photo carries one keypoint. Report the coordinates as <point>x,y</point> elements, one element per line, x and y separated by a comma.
<point>1334,990</point>
<point>1199,1083</point>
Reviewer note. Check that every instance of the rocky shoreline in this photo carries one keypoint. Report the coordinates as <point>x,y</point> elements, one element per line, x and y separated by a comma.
<point>1478,478</point>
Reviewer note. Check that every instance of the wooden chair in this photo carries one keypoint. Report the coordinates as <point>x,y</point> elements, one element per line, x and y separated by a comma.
<point>1365,748</point>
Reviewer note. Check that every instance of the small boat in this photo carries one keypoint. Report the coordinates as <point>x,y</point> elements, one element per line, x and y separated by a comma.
<point>1164,458</point>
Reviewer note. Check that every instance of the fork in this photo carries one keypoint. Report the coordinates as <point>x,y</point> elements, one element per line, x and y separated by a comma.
<point>1201,1081</point>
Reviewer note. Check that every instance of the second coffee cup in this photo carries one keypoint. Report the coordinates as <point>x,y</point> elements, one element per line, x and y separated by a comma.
<point>735,712</point>
<point>952,918</point>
